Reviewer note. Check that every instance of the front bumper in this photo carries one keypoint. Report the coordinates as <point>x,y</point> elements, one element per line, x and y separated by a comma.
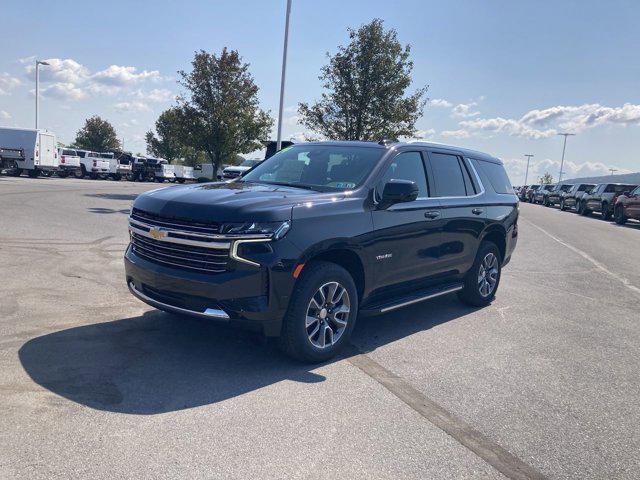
<point>251,297</point>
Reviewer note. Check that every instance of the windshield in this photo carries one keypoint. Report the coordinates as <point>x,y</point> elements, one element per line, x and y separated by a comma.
<point>250,163</point>
<point>322,167</point>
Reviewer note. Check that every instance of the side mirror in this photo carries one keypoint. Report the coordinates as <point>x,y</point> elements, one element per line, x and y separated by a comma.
<point>398,191</point>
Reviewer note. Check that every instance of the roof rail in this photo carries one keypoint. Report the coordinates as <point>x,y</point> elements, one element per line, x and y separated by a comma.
<point>387,141</point>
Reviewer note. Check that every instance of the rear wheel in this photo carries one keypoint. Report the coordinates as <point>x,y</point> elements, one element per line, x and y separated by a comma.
<point>481,282</point>
<point>619,215</point>
<point>33,173</point>
<point>63,174</point>
<point>80,173</point>
<point>321,314</point>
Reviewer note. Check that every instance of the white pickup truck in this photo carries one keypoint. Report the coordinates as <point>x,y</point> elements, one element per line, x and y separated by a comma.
<point>69,162</point>
<point>92,165</point>
<point>119,165</point>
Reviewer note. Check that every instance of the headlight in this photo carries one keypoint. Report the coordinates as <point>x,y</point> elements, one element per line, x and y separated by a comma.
<point>276,229</point>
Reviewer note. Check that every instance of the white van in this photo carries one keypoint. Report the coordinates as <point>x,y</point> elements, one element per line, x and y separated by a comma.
<point>38,146</point>
<point>92,165</point>
<point>183,173</point>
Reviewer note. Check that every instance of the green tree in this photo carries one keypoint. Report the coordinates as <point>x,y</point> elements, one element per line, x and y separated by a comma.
<point>220,115</point>
<point>97,135</point>
<point>546,179</point>
<point>167,141</point>
<point>365,85</point>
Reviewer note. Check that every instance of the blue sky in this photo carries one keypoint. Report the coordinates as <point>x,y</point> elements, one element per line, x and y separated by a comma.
<point>504,76</point>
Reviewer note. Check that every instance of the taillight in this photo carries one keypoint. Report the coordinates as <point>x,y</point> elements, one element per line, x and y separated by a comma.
<point>95,163</point>
<point>62,159</point>
<point>615,199</point>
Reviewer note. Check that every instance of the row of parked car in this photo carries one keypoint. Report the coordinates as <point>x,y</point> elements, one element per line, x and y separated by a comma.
<point>618,200</point>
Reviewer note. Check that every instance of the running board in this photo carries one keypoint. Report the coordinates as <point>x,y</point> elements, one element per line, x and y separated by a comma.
<point>377,309</point>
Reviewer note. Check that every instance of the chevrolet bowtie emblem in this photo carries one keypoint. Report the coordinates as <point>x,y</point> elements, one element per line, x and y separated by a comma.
<point>157,233</point>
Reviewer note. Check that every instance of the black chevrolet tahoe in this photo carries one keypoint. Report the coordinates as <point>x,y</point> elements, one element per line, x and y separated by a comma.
<point>321,232</point>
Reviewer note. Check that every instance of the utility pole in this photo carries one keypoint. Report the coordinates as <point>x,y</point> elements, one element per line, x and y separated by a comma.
<point>564,146</point>
<point>526,175</point>
<point>284,71</point>
<point>613,170</point>
<point>38,63</point>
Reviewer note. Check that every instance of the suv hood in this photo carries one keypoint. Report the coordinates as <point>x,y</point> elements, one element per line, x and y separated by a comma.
<point>228,202</point>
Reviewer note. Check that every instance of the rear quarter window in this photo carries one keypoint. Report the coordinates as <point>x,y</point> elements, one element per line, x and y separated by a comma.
<point>497,176</point>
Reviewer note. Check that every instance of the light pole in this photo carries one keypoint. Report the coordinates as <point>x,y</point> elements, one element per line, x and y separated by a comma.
<point>284,71</point>
<point>526,175</point>
<point>38,63</point>
<point>613,170</point>
<point>564,146</point>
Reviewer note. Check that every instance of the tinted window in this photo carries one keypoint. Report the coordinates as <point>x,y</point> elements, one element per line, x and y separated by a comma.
<point>584,187</point>
<point>406,166</point>
<point>618,188</point>
<point>447,174</point>
<point>469,184</point>
<point>497,176</point>
<point>326,167</point>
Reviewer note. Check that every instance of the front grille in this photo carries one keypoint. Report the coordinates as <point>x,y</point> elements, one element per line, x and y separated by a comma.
<point>212,228</point>
<point>176,255</point>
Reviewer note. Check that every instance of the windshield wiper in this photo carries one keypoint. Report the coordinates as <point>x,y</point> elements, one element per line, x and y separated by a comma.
<point>287,184</point>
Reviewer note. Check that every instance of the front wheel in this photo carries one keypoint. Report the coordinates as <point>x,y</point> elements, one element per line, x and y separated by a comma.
<point>619,215</point>
<point>606,211</point>
<point>546,202</point>
<point>481,282</point>
<point>321,314</point>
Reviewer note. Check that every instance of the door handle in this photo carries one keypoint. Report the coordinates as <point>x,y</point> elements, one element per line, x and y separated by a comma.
<point>477,211</point>
<point>431,214</point>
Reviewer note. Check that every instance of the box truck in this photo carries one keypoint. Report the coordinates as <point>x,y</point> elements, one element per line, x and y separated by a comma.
<point>38,146</point>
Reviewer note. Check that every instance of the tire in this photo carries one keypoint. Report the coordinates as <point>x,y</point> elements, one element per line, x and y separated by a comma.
<point>33,173</point>
<point>63,174</point>
<point>606,211</point>
<point>583,210</point>
<point>302,341</point>
<point>180,180</point>
<point>546,203</point>
<point>130,178</point>
<point>619,215</point>
<point>562,207</point>
<point>93,176</point>
<point>475,292</point>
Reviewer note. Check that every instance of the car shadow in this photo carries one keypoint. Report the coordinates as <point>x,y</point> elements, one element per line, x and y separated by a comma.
<point>113,196</point>
<point>159,362</point>
<point>108,210</point>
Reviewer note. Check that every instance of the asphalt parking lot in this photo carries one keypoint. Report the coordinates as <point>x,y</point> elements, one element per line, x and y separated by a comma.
<point>95,384</point>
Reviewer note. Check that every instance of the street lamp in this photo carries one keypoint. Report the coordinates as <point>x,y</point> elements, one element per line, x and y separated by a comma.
<point>526,175</point>
<point>613,170</point>
<point>564,146</point>
<point>38,63</point>
<point>284,71</point>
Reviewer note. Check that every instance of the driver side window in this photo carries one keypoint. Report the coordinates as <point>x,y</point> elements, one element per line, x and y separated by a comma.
<point>406,166</point>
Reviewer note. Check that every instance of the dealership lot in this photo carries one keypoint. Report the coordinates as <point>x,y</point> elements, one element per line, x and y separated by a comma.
<point>93,383</point>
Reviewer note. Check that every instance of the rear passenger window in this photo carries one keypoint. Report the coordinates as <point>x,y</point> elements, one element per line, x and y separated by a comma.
<point>497,176</point>
<point>406,166</point>
<point>448,177</point>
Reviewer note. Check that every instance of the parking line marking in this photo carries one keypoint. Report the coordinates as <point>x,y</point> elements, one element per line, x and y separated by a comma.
<point>586,256</point>
<point>485,448</point>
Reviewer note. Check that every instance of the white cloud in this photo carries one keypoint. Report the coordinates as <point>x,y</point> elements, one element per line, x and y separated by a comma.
<point>581,117</point>
<point>8,82</point>
<point>465,110</point>
<point>506,125</point>
<point>29,59</point>
<point>5,115</point>
<point>121,76</point>
<point>135,106</point>
<point>62,91</point>
<point>516,168</point>
<point>440,102</point>
<point>424,134</point>
<point>155,95</point>
<point>455,134</point>
<point>60,70</point>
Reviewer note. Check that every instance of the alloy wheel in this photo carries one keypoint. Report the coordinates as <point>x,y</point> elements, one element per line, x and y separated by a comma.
<point>488,275</point>
<point>327,315</point>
